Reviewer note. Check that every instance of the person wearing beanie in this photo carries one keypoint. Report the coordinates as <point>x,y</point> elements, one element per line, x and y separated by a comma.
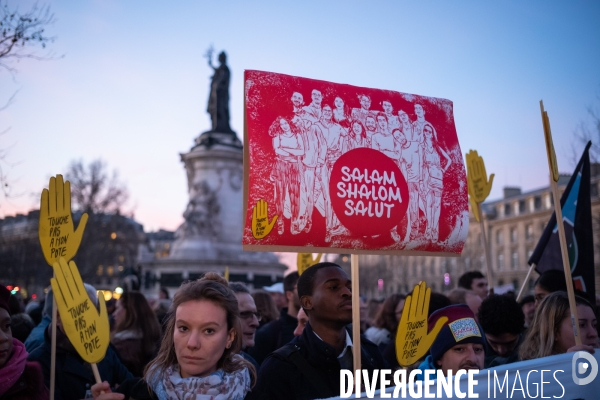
<point>459,345</point>
<point>19,379</point>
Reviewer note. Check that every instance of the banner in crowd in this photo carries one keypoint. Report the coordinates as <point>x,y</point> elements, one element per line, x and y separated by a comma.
<point>564,376</point>
<point>577,219</point>
<point>338,167</point>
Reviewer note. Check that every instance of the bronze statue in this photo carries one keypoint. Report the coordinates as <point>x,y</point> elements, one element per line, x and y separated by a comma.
<point>218,100</point>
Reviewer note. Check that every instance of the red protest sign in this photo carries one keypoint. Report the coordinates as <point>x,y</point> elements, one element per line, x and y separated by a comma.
<point>339,167</point>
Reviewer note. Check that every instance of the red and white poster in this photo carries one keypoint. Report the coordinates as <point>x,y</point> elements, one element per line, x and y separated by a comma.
<point>347,169</point>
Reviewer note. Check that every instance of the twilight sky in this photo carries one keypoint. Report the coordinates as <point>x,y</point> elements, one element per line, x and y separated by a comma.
<point>132,87</point>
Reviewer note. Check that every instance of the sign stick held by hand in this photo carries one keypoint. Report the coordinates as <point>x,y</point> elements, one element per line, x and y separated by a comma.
<point>553,165</point>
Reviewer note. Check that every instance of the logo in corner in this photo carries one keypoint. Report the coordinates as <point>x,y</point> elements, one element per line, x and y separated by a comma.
<point>580,367</point>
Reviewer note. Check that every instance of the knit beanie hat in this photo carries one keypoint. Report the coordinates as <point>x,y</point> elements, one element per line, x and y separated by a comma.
<point>4,296</point>
<point>460,328</point>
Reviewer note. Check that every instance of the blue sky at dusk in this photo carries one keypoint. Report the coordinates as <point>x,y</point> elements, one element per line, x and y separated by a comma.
<point>132,87</point>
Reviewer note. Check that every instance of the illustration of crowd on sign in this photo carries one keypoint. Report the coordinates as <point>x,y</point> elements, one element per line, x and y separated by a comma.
<point>308,131</point>
<point>308,144</point>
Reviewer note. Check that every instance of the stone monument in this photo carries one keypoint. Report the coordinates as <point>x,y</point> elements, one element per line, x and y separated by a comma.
<point>210,238</point>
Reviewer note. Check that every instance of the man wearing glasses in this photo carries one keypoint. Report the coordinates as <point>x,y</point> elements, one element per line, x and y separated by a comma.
<point>249,318</point>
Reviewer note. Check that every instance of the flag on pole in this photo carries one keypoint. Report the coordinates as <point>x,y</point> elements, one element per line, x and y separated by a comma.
<point>577,219</point>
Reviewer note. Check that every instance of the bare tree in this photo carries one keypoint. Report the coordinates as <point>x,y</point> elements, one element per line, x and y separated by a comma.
<point>586,131</point>
<point>94,189</point>
<point>23,33</point>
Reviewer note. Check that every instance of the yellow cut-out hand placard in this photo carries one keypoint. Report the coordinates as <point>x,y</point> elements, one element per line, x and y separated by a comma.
<point>87,330</point>
<point>57,233</point>
<point>479,185</point>
<point>549,144</point>
<point>261,226</point>
<point>412,339</point>
<point>305,260</point>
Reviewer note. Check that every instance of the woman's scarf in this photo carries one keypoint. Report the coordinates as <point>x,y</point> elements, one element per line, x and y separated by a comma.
<point>14,367</point>
<point>219,385</point>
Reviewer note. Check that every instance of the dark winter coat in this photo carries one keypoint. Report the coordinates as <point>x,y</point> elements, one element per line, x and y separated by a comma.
<point>280,378</point>
<point>73,375</point>
<point>29,386</point>
<point>273,335</point>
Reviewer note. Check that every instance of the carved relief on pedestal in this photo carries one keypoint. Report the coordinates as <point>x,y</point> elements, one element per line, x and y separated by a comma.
<point>202,213</point>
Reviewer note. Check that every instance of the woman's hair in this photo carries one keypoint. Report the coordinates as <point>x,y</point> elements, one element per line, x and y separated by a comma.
<point>214,288</point>
<point>363,131</point>
<point>275,128</point>
<point>540,338</point>
<point>386,318</point>
<point>139,317</point>
<point>433,131</point>
<point>265,306</point>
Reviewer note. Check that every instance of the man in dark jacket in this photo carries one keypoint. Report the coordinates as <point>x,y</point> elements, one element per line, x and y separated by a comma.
<point>309,367</point>
<point>279,332</point>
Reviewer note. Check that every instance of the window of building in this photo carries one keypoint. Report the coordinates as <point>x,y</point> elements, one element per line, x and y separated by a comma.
<point>500,261</point>
<point>513,235</point>
<point>594,189</point>
<point>529,231</point>
<point>531,284</point>
<point>515,260</point>
<point>537,201</point>
<point>521,206</point>
<point>507,209</point>
<point>499,238</point>
<point>467,263</point>
<point>515,283</point>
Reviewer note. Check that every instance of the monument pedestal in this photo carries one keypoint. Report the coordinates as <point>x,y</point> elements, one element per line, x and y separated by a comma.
<point>210,239</point>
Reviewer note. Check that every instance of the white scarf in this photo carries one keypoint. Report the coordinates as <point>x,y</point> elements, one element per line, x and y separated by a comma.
<point>219,385</point>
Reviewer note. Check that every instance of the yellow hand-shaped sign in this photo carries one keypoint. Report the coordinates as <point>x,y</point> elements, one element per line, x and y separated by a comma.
<point>87,330</point>
<point>56,231</point>
<point>549,144</point>
<point>261,226</point>
<point>305,260</point>
<point>479,185</point>
<point>412,339</point>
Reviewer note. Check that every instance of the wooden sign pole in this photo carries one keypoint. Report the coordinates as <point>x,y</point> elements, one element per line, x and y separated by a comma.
<point>355,321</point>
<point>488,259</point>
<point>559,222</point>
<point>531,268</point>
<point>53,347</point>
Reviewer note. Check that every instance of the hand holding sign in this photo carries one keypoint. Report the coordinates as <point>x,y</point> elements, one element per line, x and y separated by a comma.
<point>479,185</point>
<point>412,339</point>
<point>87,330</point>
<point>305,260</point>
<point>261,226</point>
<point>56,231</point>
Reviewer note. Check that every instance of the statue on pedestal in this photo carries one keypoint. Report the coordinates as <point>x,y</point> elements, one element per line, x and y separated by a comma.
<point>218,100</point>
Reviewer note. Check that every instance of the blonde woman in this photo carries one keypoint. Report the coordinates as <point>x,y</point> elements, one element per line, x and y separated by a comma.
<point>551,331</point>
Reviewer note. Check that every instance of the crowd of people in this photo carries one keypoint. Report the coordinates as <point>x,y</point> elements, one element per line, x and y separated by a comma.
<point>221,340</point>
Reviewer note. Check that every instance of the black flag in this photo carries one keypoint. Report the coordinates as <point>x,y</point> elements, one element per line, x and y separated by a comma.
<point>577,219</point>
